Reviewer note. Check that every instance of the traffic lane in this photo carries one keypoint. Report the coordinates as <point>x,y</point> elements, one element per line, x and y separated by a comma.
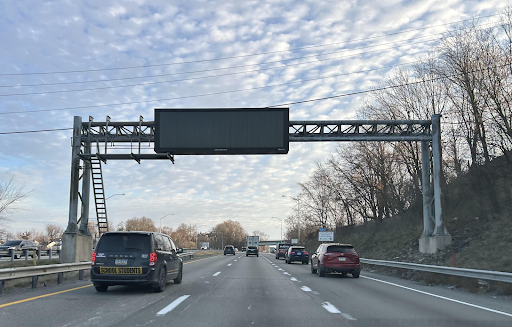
<point>390,303</point>
<point>249,292</point>
<point>86,307</point>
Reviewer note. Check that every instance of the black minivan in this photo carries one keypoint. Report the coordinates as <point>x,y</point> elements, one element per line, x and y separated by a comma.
<point>135,258</point>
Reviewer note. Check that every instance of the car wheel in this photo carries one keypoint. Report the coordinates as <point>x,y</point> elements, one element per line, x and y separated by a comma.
<point>289,261</point>
<point>257,255</point>
<point>343,274</point>
<point>246,255</point>
<point>304,262</point>
<point>101,288</point>
<point>161,281</point>
<point>178,279</point>
<point>313,270</point>
<point>320,270</point>
<point>355,274</point>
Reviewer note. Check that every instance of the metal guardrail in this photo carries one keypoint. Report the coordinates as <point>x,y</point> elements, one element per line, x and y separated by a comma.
<point>463,272</point>
<point>36,271</point>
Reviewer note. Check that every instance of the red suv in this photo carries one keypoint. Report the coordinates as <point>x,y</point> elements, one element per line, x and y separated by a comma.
<point>335,257</point>
<point>281,250</point>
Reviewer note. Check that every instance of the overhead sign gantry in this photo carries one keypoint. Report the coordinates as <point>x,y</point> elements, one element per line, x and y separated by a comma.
<point>229,132</point>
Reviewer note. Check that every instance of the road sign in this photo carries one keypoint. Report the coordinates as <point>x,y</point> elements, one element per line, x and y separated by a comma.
<point>323,229</point>
<point>326,236</point>
<point>295,241</point>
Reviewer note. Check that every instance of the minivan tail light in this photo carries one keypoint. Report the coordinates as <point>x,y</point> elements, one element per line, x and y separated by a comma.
<point>152,258</point>
<point>93,258</point>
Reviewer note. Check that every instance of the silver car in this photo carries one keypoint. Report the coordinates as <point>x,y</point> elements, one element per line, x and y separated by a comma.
<point>19,246</point>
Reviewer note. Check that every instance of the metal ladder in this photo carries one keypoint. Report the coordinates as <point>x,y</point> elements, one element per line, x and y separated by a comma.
<point>99,195</point>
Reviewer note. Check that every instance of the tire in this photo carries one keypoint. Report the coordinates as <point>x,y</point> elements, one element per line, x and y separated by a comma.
<point>178,279</point>
<point>101,288</point>
<point>304,262</point>
<point>313,270</point>
<point>289,261</point>
<point>246,255</point>
<point>320,270</point>
<point>224,253</point>
<point>161,281</point>
<point>355,275</point>
<point>257,255</point>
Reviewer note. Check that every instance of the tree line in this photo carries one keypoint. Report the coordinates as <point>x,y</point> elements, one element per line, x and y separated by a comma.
<point>467,78</point>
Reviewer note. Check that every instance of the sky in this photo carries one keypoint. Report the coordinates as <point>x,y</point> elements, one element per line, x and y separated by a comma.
<point>61,59</point>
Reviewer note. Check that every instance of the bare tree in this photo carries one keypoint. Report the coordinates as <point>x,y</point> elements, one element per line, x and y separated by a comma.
<point>11,195</point>
<point>140,224</point>
<point>53,232</point>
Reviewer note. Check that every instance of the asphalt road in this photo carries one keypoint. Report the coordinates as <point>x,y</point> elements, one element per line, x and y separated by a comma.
<point>255,291</point>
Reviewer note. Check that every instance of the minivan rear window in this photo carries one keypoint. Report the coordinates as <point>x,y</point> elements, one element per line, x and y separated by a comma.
<point>122,242</point>
<point>340,249</point>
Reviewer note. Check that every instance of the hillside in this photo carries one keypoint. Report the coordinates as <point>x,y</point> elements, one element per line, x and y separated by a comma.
<point>477,213</point>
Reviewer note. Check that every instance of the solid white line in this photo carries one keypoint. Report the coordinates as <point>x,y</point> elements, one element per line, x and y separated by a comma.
<point>305,289</point>
<point>329,307</point>
<point>173,305</point>
<point>441,297</point>
<point>216,274</point>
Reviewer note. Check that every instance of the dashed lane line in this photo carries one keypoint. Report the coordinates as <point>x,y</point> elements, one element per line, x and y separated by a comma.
<point>216,274</point>
<point>305,289</point>
<point>331,308</point>
<point>173,305</point>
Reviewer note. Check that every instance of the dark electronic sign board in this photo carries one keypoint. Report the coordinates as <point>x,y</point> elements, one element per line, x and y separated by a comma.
<point>222,131</point>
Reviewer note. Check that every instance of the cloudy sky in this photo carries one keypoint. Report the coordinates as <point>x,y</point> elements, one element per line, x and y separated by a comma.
<point>61,59</point>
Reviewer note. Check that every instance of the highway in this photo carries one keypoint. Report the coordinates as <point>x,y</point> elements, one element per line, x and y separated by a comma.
<point>255,291</point>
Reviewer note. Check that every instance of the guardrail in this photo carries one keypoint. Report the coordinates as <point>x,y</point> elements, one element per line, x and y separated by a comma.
<point>463,272</point>
<point>187,255</point>
<point>36,271</point>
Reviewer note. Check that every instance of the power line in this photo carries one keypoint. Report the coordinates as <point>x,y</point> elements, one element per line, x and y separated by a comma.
<point>296,102</point>
<point>197,95</point>
<point>232,67</point>
<point>37,131</point>
<point>381,88</point>
<point>244,56</point>
<point>219,75</point>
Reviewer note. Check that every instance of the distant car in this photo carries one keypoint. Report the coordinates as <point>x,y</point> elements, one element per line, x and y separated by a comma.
<point>272,250</point>
<point>236,249</point>
<point>252,250</point>
<point>132,258</point>
<point>204,248</point>
<point>281,250</point>
<point>229,249</point>
<point>244,249</point>
<point>19,247</point>
<point>297,253</point>
<point>335,257</point>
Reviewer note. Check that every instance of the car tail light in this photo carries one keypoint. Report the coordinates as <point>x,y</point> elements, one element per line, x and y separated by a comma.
<point>152,258</point>
<point>305,253</point>
<point>93,258</point>
<point>292,252</point>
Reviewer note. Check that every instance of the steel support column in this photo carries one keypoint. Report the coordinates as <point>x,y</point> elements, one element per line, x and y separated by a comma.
<point>439,228</point>
<point>86,186</point>
<point>428,226</point>
<point>75,175</point>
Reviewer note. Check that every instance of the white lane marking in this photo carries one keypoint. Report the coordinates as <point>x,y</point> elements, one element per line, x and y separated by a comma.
<point>442,297</point>
<point>206,282</point>
<point>285,273</point>
<point>229,264</point>
<point>347,316</point>
<point>216,274</point>
<point>280,269</point>
<point>305,289</point>
<point>293,279</point>
<point>235,260</point>
<point>173,305</point>
<point>329,307</point>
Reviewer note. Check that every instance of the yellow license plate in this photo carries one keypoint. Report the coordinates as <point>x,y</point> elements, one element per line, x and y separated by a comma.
<point>121,270</point>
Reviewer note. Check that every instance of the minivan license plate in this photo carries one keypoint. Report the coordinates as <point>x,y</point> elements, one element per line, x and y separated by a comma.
<point>342,259</point>
<point>121,261</point>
